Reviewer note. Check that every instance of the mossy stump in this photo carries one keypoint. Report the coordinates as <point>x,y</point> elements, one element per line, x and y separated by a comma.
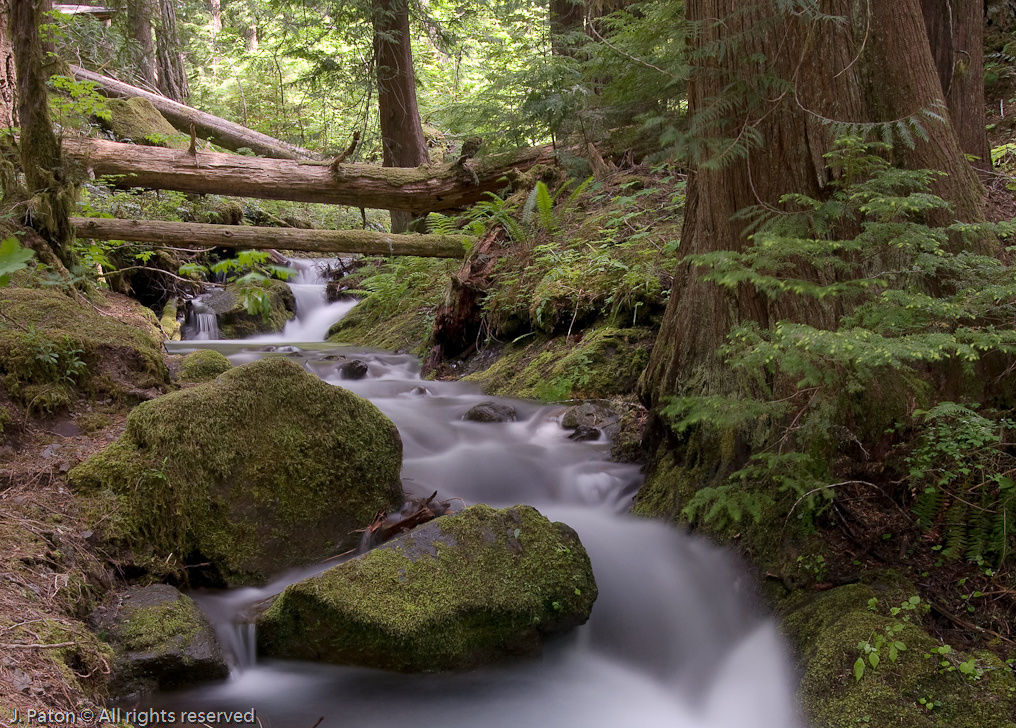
<point>464,590</point>
<point>265,468</point>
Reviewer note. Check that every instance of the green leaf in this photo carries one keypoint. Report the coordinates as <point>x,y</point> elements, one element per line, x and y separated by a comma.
<point>859,669</point>
<point>874,659</point>
<point>13,258</point>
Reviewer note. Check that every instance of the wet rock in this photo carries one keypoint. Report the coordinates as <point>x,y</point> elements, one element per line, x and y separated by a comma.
<point>588,414</point>
<point>203,365</point>
<point>264,468</point>
<point>463,590</point>
<point>490,412</point>
<point>235,322</point>
<point>354,369</point>
<point>584,433</point>
<point>161,640</point>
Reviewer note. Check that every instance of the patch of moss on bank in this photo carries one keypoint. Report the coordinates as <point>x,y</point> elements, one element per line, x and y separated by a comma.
<point>464,590</point>
<point>203,365</point>
<point>605,362</point>
<point>138,121</point>
<point>826,630</point>
<point>264,468</point>
<point>52,346</point>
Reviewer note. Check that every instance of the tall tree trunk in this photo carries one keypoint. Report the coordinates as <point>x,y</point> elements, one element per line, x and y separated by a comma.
<point>41,159</point>
<point>139,29</point>
<point>956,32</point>
<point>876,67</point>
<point>402,140</point>
<point>8,74</point>
<point>215,23</point>
<point>172,73</point>
<point>566,18</point>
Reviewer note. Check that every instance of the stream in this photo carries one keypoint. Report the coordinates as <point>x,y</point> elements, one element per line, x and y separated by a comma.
<point>676,637</point>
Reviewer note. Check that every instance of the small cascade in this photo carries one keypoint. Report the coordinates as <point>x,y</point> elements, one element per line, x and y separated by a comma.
<point>314,315</point>
<point>208,326</point>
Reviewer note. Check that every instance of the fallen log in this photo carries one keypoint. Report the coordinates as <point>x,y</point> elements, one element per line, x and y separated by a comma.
<point>417,190</point>
<point>192,235</point>
<point>207,126</point>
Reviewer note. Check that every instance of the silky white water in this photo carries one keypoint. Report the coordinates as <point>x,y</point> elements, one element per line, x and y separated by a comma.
<point>675,638</point>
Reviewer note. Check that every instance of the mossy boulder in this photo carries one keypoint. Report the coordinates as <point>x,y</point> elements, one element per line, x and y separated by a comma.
<point>235,322</point>
<point>203,365</point>
<point>265,468</point>
<point>162,640</point>
<point>827,629</point>
<point>463,590</point>
<point>53,347</point>
<point>138,121</point>
<point>606,362</point>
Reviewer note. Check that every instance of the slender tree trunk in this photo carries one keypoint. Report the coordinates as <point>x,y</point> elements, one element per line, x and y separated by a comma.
<point>215,11</point>
<point>41,159</point>
<point>172,73</point>
<point>139,29</point>
<point>402,140</point>
<point>956,32</point>
<point>877,67</point>
<point>566,18</point>
<point>8,73</point>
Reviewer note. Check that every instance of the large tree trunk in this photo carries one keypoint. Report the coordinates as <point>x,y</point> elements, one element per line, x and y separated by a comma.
<point>402,140</point>
<point>199,236</point>
<point>172,73</point>
<point>223,132</point>
<point>139,30</point>
<point>877,67</point>
<point>8,72</point>
<point>52,196</point>
<point>956,32</point>
<point>427,189</point>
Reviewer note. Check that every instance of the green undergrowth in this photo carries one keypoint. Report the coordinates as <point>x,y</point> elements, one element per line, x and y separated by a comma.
<point>400,298</point>
<point>53,348</point>
<point>866,659</point>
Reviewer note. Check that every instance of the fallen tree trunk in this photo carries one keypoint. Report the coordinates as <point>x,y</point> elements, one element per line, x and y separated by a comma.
<point>416,190</point>
<point>222,132</point>
<point>194,235</point>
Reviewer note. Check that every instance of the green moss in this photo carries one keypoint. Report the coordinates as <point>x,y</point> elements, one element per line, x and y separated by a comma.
<point>463,590</point>
<point>264,468</point>
<point>59,345</point>
<point>606,362</point>
<point>169,323</point>
<point>200,366</point>
<point>140,122</point>
<point>826,630</point>
<point>149,627</point>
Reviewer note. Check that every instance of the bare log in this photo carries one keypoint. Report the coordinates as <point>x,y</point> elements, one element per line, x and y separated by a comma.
<point>416,190</point>
<point>207,126</point>
<point>194,235</point>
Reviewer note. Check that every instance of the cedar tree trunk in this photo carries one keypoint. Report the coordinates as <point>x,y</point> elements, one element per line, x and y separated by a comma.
<point>172,74</point>
<point>402,140</point>
<point>956,32</point>
<point>875,67</point>
<point>139,29</point>
<point>8,74</point>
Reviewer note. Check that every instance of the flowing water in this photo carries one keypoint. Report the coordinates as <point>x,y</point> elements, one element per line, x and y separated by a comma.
<point>675,638</point>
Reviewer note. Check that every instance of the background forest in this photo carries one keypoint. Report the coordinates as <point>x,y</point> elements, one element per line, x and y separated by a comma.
<point>774,238</point>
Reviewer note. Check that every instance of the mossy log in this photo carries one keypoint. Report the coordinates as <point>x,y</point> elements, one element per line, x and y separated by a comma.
<point>207,126</point>
<point>199,235</point>
<point>417,190</point>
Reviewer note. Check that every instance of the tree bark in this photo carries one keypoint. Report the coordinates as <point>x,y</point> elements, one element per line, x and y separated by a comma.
<point>139,29</point>
<point>215,21</point>
<point>193,235</point>
<point>41,159</point>
<point>402,140</point>
<point>877,67</point>
<point>426,189</point>
<point>172,73</point>
<point>224,133</point>
<point>8,72</point>
<point>956,33</point>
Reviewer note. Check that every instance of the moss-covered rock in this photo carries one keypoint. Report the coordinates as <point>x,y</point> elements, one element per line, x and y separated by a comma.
<point>169,322</point>
<point>203,365</point>
<point>607,361</point>
<point>460,591</point>
<point>264,468</point>
<point>136,120</point>
<point>53,347</point>
<point>234,320</point>
<point>827,630</point>
<point>161,640</point>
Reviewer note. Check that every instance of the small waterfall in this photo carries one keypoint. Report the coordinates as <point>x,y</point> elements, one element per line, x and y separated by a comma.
<point>314,315</point>
<point>208,327</point>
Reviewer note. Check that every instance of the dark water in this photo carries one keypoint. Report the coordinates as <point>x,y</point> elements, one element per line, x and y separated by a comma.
<point>675,638</point>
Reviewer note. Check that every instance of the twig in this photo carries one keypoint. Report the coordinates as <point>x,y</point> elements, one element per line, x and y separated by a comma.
<point>38,646</point>
<point>963,623</point>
